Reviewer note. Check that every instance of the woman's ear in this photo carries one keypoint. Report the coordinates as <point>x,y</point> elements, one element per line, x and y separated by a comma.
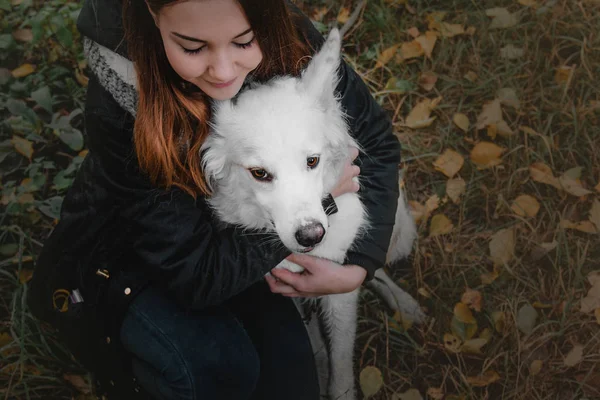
<point>154,16</point>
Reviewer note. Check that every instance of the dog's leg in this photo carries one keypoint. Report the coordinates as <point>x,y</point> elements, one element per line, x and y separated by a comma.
<point>396,298</point>
<point>339,317</point>
<point>404,233</point>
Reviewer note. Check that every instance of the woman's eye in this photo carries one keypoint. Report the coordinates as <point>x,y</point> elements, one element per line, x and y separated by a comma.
<point>245,45</point>
<point>261,175</point>
<point>312,162</point>
<point>192,51</point>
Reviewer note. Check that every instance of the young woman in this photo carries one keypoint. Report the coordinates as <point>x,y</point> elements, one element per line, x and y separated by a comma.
<point>144,286</point>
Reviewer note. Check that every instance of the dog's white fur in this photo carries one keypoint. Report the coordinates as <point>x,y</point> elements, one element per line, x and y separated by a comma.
<point>276,127</point>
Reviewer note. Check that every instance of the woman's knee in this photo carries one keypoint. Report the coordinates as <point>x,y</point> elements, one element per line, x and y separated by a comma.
<point>190,355</point>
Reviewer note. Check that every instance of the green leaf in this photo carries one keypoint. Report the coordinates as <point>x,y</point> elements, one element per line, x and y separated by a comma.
<point>72,138</point>
<point>65,36</point>
<point>51,207</point>
<point>5,76</point>
<point>6,40</point>
<point>6,148</point>
<point>43,97</point>
<point>5,5</point>
<point>526,319</point>
<point>19,108</point>
<point>61,181</point>
<point>9,249</point>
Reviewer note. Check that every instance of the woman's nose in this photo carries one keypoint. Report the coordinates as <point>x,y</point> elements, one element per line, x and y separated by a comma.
<point>222,67</point>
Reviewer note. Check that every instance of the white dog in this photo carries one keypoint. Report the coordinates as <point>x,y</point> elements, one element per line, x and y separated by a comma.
<point>273,155</point>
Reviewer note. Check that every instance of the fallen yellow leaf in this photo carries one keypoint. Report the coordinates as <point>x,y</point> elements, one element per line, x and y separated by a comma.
<point>435,19</point>
<point>463,313</point>
<point>473,346</point>
<point>592,300</point>
<point>386,55</point>
<point>455,188</point>
<point>413,31</point>
<point>472,298</point>
<point>502,246</point>
<point>427,43</point>
<point>440,225</point>
<point>427,80</point>
<point>595,213</point>
<point>491,113</point>
<point>486,154</point>
<point>542,173</point>
<point>499,319</point>
<point>23,71</point>
<point>502,18</point>
<point>435,393</point>
<point>452,342</point>
<point>574,356</point>
<point>449,163</point>
<point>528,3</point>
<point>535,367</point>
<point>471,76</point>
<point>22,146</point>
<point>582,226</point>
<point>462,121</point>
<point>525,205</point>
<point>488,277</point>
<point>419,116</point>
<point>451,30</point>
<point>25,275</point>
<point>410,50</point>
<point>483,380</point>
<point>564,74</point>
<point>343,15</point>
<point>319,13</point>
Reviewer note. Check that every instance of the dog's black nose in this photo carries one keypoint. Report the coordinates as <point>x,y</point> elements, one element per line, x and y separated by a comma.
<point>311,234</point>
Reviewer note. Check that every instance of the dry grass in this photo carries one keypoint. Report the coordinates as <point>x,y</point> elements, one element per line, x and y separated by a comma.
<point>565,118</point>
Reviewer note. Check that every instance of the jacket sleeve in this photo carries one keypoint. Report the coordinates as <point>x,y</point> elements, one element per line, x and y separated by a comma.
<point>175,238</point>
<point>371,127</point>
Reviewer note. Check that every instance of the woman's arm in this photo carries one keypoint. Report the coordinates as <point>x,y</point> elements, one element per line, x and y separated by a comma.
<point>176,238</point>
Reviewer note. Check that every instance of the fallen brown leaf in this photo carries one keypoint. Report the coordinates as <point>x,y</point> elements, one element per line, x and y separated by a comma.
<point>486,154</point>
<point>525,206</point>
<point>386,55</point>
<point>419,116</point>
<point>502,246</point>
<point>472,298</point>
<point>440,225</point>
<point>462,121</point>
<point>574,356</point>
<point>427,80</point>
<point>455,188</point>
<point>484,379</point>
<point>449,163</point>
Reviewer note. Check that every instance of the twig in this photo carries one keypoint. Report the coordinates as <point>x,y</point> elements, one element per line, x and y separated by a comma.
<point>353,17</point>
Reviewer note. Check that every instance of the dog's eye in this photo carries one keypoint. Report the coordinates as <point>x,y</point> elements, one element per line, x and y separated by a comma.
<point>312,162</point>
<point>260,175</point>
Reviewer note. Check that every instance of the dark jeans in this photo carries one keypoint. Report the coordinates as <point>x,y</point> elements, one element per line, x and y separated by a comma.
<point>253,347</point>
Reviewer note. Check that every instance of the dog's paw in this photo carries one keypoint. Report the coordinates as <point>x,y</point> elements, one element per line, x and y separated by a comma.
<point>290,266</point>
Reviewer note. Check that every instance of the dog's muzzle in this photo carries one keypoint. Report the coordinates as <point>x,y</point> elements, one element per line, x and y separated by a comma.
<point>310,235</point>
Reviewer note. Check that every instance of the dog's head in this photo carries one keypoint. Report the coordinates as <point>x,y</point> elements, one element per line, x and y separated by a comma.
<point>277,150</point>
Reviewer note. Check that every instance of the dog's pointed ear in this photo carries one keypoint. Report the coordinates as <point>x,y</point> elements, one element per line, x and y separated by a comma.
<point>320,77</point>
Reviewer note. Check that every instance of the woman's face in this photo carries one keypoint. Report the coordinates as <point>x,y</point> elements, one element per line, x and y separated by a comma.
<point>210,44</point>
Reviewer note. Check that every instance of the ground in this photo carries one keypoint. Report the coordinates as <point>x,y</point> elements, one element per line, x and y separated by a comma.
<point>497,108</point>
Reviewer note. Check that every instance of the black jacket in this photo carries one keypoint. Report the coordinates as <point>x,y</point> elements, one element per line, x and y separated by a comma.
<point>118,233</point>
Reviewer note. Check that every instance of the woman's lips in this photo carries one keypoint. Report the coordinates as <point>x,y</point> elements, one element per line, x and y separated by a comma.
<point>222,85</point>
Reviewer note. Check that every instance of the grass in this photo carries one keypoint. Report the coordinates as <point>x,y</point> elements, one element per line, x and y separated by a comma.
<point>564,120</point>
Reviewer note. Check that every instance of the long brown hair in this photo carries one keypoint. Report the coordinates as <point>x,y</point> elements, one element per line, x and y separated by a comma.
<point>171,121</point>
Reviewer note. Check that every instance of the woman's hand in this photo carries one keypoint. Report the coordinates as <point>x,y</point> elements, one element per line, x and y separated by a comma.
<point>346,183</point>
<point>320,277</point>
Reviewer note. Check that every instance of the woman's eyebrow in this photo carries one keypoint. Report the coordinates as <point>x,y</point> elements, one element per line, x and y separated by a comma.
<point>192,39</point>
